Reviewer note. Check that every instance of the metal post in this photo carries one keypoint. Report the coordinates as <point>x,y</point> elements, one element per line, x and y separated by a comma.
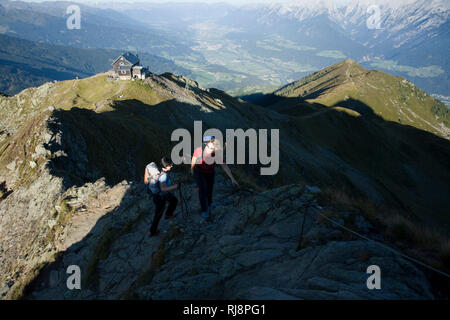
<point>300,239</point>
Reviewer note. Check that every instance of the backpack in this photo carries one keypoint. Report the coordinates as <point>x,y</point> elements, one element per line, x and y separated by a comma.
<point>153,180</point>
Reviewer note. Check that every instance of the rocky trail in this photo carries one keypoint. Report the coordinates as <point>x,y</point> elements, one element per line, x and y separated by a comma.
<point>247,250</point>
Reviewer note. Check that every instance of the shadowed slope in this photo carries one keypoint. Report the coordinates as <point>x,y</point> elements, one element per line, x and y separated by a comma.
<point>392,98</point>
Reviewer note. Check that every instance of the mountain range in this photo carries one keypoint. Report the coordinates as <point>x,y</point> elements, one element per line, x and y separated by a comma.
<point>370,149</point>
<point>255,48</point>
<point>360,105</point>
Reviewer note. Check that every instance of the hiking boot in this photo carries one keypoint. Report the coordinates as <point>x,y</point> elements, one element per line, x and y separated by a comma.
<point>205,215</point>
<point>150,234</point>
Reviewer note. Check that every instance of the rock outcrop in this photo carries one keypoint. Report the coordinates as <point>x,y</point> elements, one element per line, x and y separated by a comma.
<point>247,251</point>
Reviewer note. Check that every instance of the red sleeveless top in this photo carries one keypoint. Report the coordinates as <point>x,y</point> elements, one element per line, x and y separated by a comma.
<point>202,166</point>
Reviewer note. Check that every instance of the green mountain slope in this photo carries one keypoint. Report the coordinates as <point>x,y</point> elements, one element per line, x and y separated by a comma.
<point>349,85</point>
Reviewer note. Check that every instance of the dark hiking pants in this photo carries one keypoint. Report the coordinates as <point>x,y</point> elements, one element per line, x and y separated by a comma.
<point>160,203</point>
<point>205,183</point>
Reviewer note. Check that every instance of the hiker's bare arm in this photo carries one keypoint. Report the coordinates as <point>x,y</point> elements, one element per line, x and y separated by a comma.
<point>228,172</point>
<point>165,188</point>
<point>146,176</point>
<point>193,162</point>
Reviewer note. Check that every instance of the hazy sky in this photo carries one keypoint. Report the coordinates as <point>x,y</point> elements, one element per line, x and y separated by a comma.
<point>235,2</point>
<point>307,3</point>
<point>162,1</point>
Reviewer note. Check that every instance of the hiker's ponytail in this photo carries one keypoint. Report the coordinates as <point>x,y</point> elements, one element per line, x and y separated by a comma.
<point>166,161</point>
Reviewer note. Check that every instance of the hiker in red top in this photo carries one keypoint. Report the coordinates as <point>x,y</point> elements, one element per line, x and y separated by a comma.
<point>204,174</point>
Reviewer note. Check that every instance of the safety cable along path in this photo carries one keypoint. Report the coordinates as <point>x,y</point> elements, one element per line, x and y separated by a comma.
<point>361,236</point>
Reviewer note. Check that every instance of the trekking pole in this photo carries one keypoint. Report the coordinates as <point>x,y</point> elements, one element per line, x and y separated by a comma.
<point>181,201</point>
<point>300,239</point>
<point>186,206</point>
<point>183,204</point>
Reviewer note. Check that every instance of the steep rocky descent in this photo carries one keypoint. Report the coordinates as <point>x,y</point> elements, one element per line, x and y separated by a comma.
<point>247,251</point>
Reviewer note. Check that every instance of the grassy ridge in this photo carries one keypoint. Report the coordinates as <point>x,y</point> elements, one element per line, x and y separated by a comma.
<point>392,98</point>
